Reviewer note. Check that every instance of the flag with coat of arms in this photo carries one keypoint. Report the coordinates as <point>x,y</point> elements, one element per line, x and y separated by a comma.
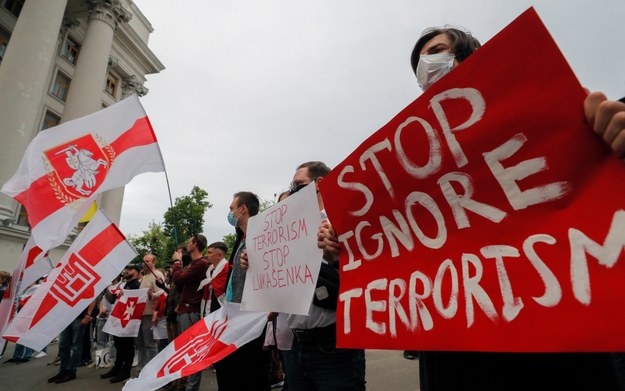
<point>125,319</point>
<point>65,167</point>
<point>97,255</point>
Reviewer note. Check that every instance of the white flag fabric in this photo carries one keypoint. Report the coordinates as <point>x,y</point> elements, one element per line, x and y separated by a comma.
<point>9,303</point>
<point>125,319</point>
<point>97,255</point>
<point>36,263</point>
<point>207,341</point>
<point>65,167</point>
<point>33,264</point>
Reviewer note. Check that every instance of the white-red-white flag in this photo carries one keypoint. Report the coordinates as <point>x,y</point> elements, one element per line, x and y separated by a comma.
<point>33,264</point>
<point>9,303</point>
<point>64,168</point>
<point>125,319</point>
<point>97,255</point>
<point>36,263</point>
<point>207,341</point>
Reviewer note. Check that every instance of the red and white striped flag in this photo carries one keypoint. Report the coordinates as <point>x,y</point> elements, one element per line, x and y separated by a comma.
<point>36,263</point>
<point>207,341</point>
<point>9,304</point>
<point>64,168</point>
<point>125,319</point>
<point>97,255</point>
<point>33,264</point>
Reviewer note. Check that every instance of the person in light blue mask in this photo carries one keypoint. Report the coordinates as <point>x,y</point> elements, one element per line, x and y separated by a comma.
<point>246,367</point>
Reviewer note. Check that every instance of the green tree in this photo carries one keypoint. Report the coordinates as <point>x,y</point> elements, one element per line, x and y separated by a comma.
<point>265,204</point>
<point>186,217</point>
<point>154,241</point>
<point>229,240</point>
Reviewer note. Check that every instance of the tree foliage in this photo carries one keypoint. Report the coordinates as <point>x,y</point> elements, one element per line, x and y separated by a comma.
<point>182,220</point>
<point>229,241</point>
<point>186,217</point>
<point>153,241</point>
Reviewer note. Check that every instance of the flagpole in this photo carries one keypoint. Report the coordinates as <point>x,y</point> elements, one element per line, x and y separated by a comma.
<point>173,211</point>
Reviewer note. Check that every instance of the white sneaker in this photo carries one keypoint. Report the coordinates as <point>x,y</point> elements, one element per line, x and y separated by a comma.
<point>41,354</point>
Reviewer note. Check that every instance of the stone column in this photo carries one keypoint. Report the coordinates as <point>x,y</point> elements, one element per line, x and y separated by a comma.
<point>85,92</point>
<point>23,84</point>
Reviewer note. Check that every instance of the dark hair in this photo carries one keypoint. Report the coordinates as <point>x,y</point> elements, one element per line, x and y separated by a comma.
<point>219,245</point>
<point>250,200</point>
<point>463,44</point>
<point>186,258</point>
<point>284,193</point>
<point>134,266</point>
<point>316,169</point>
<point>200,241</point>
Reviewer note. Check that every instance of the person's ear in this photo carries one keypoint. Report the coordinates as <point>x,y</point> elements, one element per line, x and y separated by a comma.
<point>317,180</point>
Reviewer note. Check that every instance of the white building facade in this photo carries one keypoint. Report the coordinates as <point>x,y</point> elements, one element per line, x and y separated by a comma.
<point>61,60</point>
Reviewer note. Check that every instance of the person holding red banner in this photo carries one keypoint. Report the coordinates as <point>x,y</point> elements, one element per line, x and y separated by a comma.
<point>124,346</point>
<point>436,53</point>
<point>145,343</point>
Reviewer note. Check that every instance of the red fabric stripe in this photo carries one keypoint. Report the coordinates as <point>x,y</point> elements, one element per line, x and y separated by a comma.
<point>140,134</point>
<point>92,252</point>
<point>32,254</point>
<point>102,244</point>
<point>39,199</point>
<point>46,305</point>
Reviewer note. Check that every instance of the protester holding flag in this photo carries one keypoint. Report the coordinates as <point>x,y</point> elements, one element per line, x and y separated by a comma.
<point>21,353</point>
<point>145,343</point>
<point>124,346</point>
<point>214,285</point>
<point>187,282</point>
<point>159,323</point>
<point>103,341</point>
<point>70,346</point>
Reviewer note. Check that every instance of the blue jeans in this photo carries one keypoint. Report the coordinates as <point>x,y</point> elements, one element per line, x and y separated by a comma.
<point>22,352</point>
<point>320,366</point>
<point>145,343</point>
<point>70,345</point>
<point>184,322</point>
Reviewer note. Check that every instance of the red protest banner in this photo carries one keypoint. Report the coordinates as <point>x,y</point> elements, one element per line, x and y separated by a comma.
<point>486,215</point>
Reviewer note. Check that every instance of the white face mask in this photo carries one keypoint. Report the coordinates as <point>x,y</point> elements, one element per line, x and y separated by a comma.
<point>432,67</point>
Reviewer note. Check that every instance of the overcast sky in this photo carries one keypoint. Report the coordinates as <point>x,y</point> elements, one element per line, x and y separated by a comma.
<point>253,88</point>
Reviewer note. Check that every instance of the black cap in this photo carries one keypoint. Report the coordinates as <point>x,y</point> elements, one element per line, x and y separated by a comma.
<point>135,266</point>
